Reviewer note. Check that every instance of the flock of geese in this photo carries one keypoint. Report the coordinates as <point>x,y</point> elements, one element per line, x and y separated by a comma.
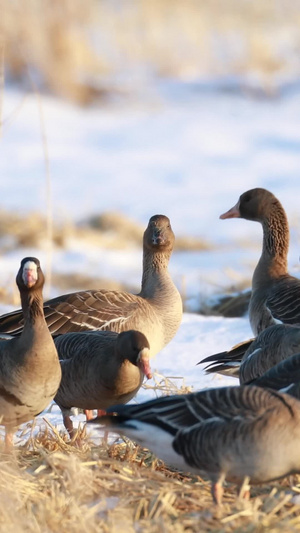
<point>92,350</point>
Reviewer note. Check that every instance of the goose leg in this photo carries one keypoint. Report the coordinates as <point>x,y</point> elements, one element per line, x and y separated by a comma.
<point>217,489</point>
<point>89,413</point>
<point>244,492</point>
<point>68,425</point>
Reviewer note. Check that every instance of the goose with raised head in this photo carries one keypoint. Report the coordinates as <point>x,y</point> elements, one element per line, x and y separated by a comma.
<point>251,359</point>
<point>30,372</point>
<point>156,311</point>
<point>242,434</point>
<point>275,293</point>
<point>100,369</point>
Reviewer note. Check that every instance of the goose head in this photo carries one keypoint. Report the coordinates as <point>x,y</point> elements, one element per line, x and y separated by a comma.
<point>255,204</point>
<point>134,346</point>
<point>159,235</point>
<point>30,275</point>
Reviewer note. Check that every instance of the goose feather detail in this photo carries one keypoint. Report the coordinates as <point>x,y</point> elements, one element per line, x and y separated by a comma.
<point>233,433</point>
<point>270,347</point>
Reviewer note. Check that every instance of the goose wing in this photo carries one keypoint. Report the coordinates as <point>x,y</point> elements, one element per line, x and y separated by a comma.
<point>173,413</point>
<point>285,376</point>
<point>80,311</point>
<point>85,344</point>
<point>283,300</point>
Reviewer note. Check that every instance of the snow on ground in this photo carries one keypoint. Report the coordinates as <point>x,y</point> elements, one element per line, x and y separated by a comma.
<point>188,154</point>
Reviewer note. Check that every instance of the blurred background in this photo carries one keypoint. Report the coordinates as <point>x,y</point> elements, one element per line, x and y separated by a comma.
<point>85,51</point>
<point>114,110</point>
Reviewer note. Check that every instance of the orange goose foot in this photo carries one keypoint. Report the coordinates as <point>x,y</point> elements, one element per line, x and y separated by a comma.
<point>89,413</point>
<point>217,491</point>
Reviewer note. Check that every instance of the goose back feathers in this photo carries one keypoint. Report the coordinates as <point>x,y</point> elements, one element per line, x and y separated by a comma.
<point>275,293</point>
<point>156,311</point>
<point>230,433</point>
<point>284,377</point>
<point>30,372</point>
<point>253,358</point>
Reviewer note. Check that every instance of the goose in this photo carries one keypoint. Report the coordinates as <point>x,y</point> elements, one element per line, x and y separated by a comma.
<point>242,434</point>
<point>275,293</point>
<point>250,359</point>
<point>30,372</point>
<point>156,311</point>
<point>284,377</point>
<point>100,369</point>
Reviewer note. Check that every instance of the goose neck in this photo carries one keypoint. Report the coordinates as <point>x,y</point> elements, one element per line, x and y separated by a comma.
<point>32,306</point>
<point>155,271</point>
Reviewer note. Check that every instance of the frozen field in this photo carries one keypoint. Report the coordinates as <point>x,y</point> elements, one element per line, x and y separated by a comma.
<point>184,151</point>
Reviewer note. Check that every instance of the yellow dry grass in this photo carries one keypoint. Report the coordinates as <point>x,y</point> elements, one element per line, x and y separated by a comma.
<point>51,484</point>
<point>54,486</point>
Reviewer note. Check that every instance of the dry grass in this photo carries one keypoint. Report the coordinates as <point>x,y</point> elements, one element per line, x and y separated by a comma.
<point>51,485</point>
<point>76,49</point>
<point>228,305</point>
<point>108,230</point>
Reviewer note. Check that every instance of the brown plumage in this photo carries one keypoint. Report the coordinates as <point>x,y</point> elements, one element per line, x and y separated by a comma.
<point>156,311</point>
<point>242,434</point>
<point>100,369</point>
<point>30,372</point>
<point>275,293</point>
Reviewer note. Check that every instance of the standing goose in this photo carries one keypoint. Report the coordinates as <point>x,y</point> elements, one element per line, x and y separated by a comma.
<point>251,359</point>
<point>275,293</point>
<point>156,311</point>
<point>30,372</point>
<point>242,434</point>
<point>100,369</point>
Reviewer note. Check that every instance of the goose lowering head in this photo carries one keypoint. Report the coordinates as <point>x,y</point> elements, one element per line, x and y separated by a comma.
<point>100,369</point>
<point>275,293</point>
<point>29,367</point>
<point>242,434</point>
<point>156,311</point>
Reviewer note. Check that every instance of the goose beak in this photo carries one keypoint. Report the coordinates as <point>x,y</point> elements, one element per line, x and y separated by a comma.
<point>30,274</point>
<point>144,364</point>
<point>234,212</point>
<point>158,239</point>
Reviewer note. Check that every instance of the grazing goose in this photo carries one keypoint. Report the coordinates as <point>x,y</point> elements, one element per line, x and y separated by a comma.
<point>275,293</point>
<point>240,434</point>
<point>100,369</point>
<point>253,358</point>
<point>30,372</point>
<point>156,311</point>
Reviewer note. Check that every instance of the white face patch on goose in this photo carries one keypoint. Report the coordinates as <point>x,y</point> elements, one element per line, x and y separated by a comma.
<point>29,274</point>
